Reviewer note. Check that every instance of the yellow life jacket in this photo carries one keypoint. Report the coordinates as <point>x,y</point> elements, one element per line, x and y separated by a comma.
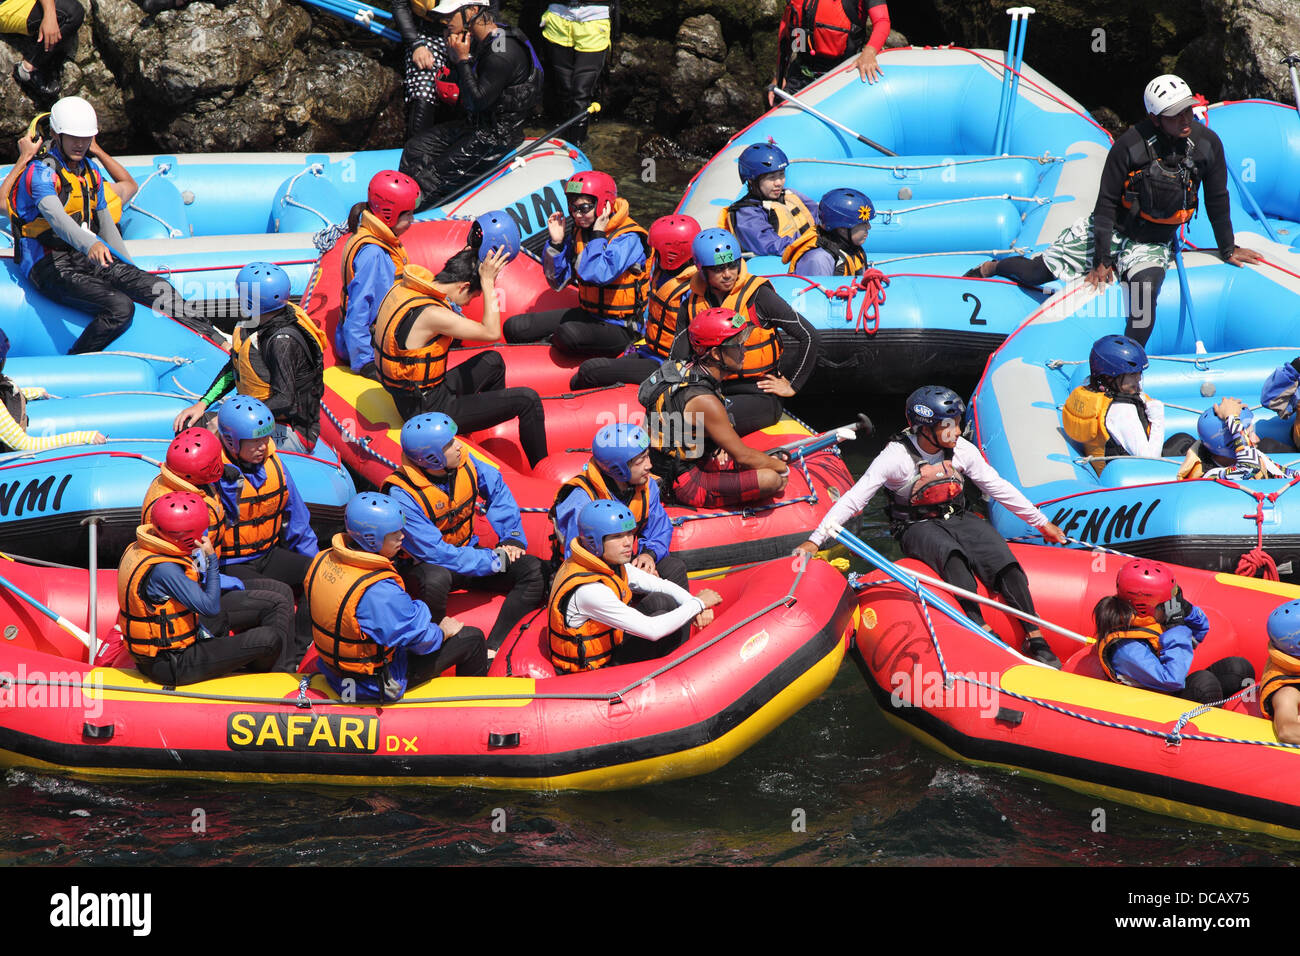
<point>252,374</point>
<point>167,482</point>
<point>591,645</point>
<point>405,368</point>
<point>1144,629</point>
<point>1084,419</point>
<point>452,514</point>
<point>661,311</point>
<point>790,218</point>
<point>371,230</point>
<point>762,345</point>
<point>623,300</point>
<point>79,193</point>
<point>261,510</point>
<point>150,629</point>
<point>1282,670</point>
<point>336,581</point>
<point>592,480</point>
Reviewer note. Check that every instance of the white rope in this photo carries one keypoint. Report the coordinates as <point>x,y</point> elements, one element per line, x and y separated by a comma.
<point>172,231</point>
<point>316,169</point>
<point>895,168</point>
<point>890,214</point>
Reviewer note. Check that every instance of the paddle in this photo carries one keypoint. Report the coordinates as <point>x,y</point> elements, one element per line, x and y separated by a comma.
<point>905,578</point>
<point>1291,60</point>
<point>806,446</point>
<point>826,119</point>
<point>1187,296</point>
<point>58,619</point>
<point>517,154</point>
<point>1021,15</point>
<point>360,14</point>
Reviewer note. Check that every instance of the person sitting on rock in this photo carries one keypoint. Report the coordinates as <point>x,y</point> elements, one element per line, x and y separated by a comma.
<point>671,271</point>
<point>46,36</point>
<point>925,469</point>
<point>816,35</point>
<point>590,618</point>
<point>67,244</point>
<point>1148,191</point>
<point>769,220</point>
<point>173,617</point>
<point>439,485</point>
<point>500,81</point>
<point>694,446</point>
<point>768,373</point>
<point>836,248</point>
<point>1110,415</point>
<point>373,260</point>
<point>1147,633</point>
<point>275,357</point>
<point>619,470</point>
<point>606,258</point>
<point>1229,447</point>
<point>419,319</point>
<point>374,639</point>
<point>13,415</point>
<point>1279,688</point>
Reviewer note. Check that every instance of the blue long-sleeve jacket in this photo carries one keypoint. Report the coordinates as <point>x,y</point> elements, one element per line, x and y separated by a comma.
<point>603,260</point>
<point>1279,392</point>
<point>391,617</point>
<point>424,542</point>
<point>658,534</point>
<point>755,233</point>
<point>166,581</point>
<point>1166,672</point>
<point>372,276</point>
<point>296,534</point>
<point>41,180</point>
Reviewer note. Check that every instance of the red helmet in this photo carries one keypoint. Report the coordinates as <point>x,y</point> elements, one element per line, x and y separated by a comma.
<point>392,193</point>
<point>671,237</point>
<point>1144,584</point>
<point>195,455</point>
<point>714,327</point>
<point>181,517</point>
<point>599,186</point>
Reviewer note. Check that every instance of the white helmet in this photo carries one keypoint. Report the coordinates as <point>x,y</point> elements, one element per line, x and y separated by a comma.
<point>74,116</point>
<point>1167,95</point>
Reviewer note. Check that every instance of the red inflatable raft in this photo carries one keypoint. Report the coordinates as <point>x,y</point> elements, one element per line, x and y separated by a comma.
<point>359,419</point>
<point>776,643</point>
<point>1074,727</point>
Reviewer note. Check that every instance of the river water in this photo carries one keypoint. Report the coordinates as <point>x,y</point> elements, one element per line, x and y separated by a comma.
<point>836,785</point>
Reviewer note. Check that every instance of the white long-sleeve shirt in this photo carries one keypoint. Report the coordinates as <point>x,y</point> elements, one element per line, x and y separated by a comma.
<point>893,469</point>
<point>596,602</point>
<point>1125,427</point>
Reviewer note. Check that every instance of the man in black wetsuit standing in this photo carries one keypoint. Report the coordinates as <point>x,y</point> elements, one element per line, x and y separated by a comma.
<point>500,80</point>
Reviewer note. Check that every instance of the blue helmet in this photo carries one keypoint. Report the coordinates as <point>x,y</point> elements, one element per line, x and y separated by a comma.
<point>370,517</point>
<point>615,446</point>
<point>715,247</point>
<point>1116,355</point>
<point>425,439</point>
<point>1213,431</point>
<point>599,519</point>
<point>933,405</point>
<point>845,208</point>
<point>1284,628</point>
<point>242,417</point>
<point>759,159</point>
<point>493,229</point>
<point>263,287</point>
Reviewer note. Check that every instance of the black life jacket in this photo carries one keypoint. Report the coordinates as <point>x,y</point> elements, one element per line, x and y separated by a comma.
<point>1159,191</point>
<point>673,448</point>
<point>934,490</point>
<point>522,94</point>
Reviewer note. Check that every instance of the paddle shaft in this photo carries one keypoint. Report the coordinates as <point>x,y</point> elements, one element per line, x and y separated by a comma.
<point>826,119</point>
<point>1005,608</point>
<point>1017,61</point>
<point>806,446</point>
<point>58,619</point>
<point>1291,62</point>
<point>1187,298</point>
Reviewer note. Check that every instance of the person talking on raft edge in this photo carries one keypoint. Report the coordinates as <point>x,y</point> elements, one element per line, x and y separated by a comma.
<point>694,447</point>
<point>815,35</point>
<point>590,618</point>
<point>924,468</point>
<point>372,637</point>
<point>1147,634</point>
<point>1148,191</point>
<point>67,244</point>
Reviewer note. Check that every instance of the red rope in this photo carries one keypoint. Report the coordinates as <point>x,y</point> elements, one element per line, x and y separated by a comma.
<point>873,282</point>
<point>1257,562</point>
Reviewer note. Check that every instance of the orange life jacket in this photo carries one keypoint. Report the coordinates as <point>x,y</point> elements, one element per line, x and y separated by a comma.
<point>762,345</point>
<point>167,482</point>
<point>591,645</point>
<point>151,629</point>
<point>1140,629</point>
<point>592,480</point>
<point>336,580</point>
<point>371,230</point>
<point>623,300</point>
<point>453,515</point>
<point>403,368</point>
<point>260,520</point>
<point>252,374</point>
<point>661,310</point>
<point>1282,670</point>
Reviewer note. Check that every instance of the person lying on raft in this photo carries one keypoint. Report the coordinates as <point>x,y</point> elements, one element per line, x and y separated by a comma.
<point>590,618</point>
<point>374,639</point>
<point>1147,633</point>
<point>924,469</point>
<point>1279,688</point>
<point>1110,415</point>
<point>13,415</point>
<point>694,446</point>
<point>1229,447</point>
